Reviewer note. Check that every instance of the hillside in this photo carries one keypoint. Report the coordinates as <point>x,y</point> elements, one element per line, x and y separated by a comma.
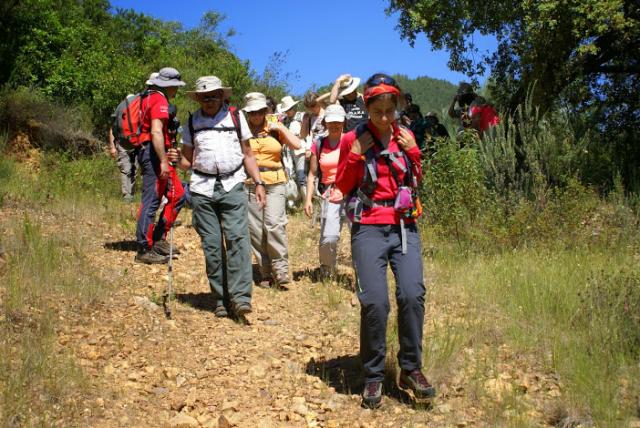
<point>429,93</point>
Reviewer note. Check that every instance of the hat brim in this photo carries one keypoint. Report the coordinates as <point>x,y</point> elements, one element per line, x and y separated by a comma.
<point>166,83</point>
<point>280,108</point>
<point>194,94</point>
<point>355,82</point>
<point>255,107</point>
<point>334,118</point>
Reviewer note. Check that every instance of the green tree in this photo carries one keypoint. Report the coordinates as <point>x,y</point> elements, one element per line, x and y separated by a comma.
<point>580,56</point>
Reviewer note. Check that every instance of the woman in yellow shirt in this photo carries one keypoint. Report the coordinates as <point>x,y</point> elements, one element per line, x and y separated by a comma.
<point>268,226</point>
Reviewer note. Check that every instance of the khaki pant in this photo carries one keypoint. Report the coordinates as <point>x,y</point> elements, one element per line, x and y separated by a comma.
<point>269,232</point>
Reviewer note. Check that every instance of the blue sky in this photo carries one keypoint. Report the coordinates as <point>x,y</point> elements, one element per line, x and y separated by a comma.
<point>324,38</point>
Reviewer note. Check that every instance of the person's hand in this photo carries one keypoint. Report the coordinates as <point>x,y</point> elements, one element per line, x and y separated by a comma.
<point>164,169</point>
<point>406,140</point>
<point>276,126</point>
<point>308,208</point>
<point>261,196</point>
<point>307,154</point>
<point>343,78</point>
<point>113,152</point>
<point>362,143</point>
<point>173,155</point>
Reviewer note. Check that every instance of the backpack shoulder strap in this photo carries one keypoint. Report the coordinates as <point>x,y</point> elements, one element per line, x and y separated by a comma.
<point>235,117</point>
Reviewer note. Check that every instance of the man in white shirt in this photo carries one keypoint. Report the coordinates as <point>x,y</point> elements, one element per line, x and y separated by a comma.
<point>216,148</point>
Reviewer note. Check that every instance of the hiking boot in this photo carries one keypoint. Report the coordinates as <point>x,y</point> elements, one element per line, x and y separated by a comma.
<point>162,247</point>
<point>372,394</point>
<point>150,257</point>
<point>220,311</point>
<point>241,309</point>
<point>282,279</point>
<point>266,283</point>
<point>415,381</point>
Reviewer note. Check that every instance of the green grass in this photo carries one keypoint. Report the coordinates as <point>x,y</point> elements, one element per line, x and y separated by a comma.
<point>38,380</point>
<point>576,309</point>
<point>46,267</point>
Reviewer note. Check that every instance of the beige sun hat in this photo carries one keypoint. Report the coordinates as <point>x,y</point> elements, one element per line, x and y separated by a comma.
<point>286,103</point>
<point>151,77</point>
<point>255,101</point>
<point>334,113</point>
<point>349,86</point>
<point>207,84</point>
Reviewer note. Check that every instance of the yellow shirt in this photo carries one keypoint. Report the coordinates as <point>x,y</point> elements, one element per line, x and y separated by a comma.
<point>268,152</point>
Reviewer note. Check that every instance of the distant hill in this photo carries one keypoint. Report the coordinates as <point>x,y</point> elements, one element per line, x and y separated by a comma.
<point>430,94</point>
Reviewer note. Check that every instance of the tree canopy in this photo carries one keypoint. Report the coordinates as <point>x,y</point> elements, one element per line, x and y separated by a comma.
<point>579,56</point>
<point>85,53</point>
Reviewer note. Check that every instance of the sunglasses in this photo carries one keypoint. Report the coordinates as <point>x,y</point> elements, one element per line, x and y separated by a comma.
<point>257,112</point>
<point>211,99</point>
<point>380,80</point>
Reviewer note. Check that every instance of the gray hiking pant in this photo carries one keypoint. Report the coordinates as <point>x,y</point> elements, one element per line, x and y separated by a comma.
<point>300,165</point>
<point>268,228</point>
<point>374,247</point>
<point>331,220</point>
<point>127,165</point>
<point>230,210</point>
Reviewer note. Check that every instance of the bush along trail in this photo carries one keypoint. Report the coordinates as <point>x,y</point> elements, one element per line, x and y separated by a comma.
<point>294,364</point>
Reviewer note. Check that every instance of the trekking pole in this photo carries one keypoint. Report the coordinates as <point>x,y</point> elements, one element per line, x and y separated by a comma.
<point>169,291</point>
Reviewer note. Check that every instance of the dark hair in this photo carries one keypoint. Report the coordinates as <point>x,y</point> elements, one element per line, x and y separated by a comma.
<point>310,99</point>
<point>413,108</point>
<point>271,104</point>
<point>375,81</point>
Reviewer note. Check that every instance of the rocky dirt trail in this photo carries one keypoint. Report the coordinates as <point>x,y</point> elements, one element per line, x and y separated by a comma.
<point>294,364</point>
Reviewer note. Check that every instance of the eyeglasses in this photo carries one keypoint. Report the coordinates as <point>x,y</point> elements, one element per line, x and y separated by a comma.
<point>211,99</point>
<point>380,80</point>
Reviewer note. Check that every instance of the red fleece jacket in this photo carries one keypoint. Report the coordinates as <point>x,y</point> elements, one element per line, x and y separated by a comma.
<point>351,174</point>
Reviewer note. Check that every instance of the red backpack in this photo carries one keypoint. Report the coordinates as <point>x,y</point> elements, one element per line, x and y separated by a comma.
<point>127,127</point>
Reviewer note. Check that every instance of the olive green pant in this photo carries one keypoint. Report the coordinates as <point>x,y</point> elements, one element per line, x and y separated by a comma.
<point>225,213</point>
<point>268,228</point>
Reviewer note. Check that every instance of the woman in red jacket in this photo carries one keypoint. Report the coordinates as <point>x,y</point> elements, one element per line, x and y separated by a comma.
<point>379,163</point>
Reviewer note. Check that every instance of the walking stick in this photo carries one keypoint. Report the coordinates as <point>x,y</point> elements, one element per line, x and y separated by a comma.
<point>166,299</point>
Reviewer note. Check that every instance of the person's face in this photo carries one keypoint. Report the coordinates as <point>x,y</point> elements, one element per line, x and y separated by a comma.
<point>334,128</point>
<point>290,113</point>
<point>171,91</point>
<point>256,118</point>
<point>210,102</point>
<point>315,110</point>
<point>351,96</point>
<point>382,113</point>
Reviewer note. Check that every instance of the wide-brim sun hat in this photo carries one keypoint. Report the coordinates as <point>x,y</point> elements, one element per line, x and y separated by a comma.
<point>167,77</point>
<point>349,86</point>
<point>286,104</point>
<point>206,84</point>
<point>151,77</point>
<point>255,101</point>
<point>334,113</point>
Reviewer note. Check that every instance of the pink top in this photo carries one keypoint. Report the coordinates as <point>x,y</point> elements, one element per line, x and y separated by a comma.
<point>328,162</point>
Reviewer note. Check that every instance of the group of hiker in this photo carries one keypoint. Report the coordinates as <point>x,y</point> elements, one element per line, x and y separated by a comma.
<point>353,152</point>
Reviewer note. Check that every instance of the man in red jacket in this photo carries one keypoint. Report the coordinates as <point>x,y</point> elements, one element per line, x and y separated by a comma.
<point>159,178</point>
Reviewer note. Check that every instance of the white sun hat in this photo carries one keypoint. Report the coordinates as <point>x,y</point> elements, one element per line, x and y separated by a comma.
<point>349,86</point>
<point>286,103</point>
<point>334,113</point>
<point>255,101</point>
<point>207,84</point>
